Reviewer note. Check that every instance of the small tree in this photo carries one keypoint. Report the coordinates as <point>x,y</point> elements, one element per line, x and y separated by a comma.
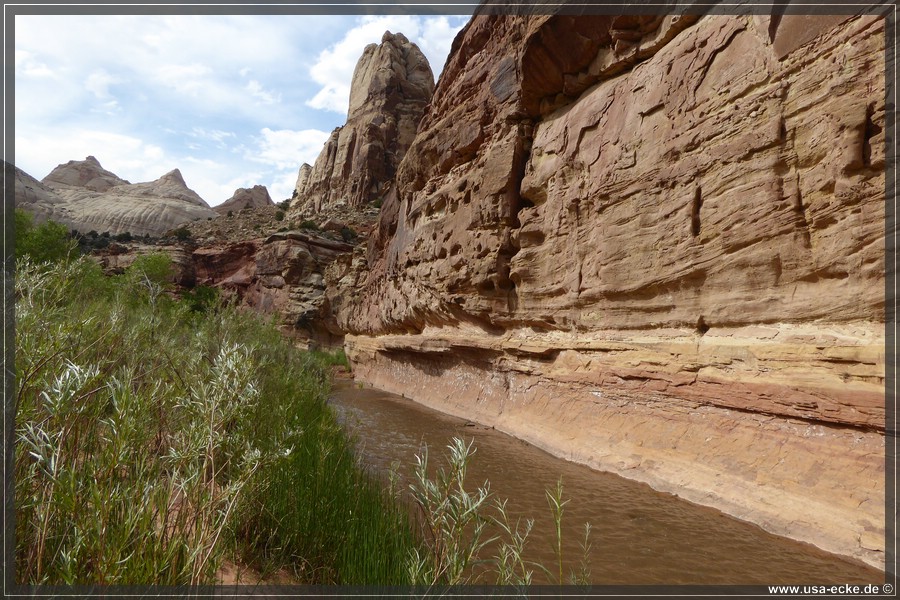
<point>49,241</point>
<point>151,273</point>
<point>201,299</point>
<point>182,234</point>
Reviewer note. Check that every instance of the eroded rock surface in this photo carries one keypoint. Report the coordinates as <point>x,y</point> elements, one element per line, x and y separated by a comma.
<point>281,274</point>
<point>252,198</point>
<point>391,86</point>
<point>85,196</point>
<point>35,197</point>
<point>654,245</point>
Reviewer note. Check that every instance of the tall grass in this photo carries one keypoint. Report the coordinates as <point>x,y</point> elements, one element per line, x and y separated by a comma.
<point>156,438</point>
<point>153,441</point>
<point>460,526</point>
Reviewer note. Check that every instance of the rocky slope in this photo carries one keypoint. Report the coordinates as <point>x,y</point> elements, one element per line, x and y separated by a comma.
<point>653,245</point>
<point>260,262</point>
<point>253,198</point>
<point>281,275</point>
<point>85,196</point>
<point>391,86</point>
<point>40,200</point>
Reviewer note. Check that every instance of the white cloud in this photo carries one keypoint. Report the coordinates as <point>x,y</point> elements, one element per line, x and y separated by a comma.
<point>217,136</point>
<point>282,186</point>
<point>147,94</point>
<point>190,80</point>
<point>256,90</point>
<point>38,152</point>
<point>283,151</point>
<point>98,83</point>
<point>216,181</point>
<point>437,37</point>
<point>287,149</point>
<point>29,66</point>
<point>334,66</point>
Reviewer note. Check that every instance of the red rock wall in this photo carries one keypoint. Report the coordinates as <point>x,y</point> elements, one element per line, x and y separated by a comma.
<point>670,208</point>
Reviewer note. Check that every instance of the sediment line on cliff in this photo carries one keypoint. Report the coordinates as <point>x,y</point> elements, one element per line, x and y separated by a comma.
<point>695,293</point>
<point>816,483</point>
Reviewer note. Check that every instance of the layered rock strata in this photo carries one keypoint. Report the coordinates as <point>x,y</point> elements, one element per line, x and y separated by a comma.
<point>654,245</point>
<point>85,196</point>
<point>38,199</point>
<point>279,275</point>
<point>391,86</point>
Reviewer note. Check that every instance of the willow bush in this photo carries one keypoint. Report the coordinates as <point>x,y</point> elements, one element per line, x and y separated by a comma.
<point>156,437</point>
<point>154,440</point>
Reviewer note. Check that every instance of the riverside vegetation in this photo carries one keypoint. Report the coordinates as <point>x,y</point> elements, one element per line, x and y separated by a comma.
<point>158,436</point>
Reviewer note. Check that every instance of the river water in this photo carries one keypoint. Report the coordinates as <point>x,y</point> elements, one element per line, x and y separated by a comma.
<point>638,535</point>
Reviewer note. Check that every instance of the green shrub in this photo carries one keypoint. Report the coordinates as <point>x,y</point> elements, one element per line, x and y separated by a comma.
<point>331,358</point>
<point>151,443</point>
<point>458,529</point>
<point>154,268</point>
<point>182,233</point>
<point>309,225</point>
<point>279,215</point>
<point>201,299</point>
<point>348,234</point>
<point>49,241</point>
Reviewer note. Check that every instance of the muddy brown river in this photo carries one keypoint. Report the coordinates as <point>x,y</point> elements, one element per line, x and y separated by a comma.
<point>638,535</point>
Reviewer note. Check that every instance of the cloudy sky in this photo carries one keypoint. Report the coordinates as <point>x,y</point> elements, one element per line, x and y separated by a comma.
<point>231,101</point>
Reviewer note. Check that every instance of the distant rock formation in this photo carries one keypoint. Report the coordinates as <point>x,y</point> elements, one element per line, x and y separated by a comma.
<point>85,196</point>
<point>84,174</point>
<point>392,84</point>
<point>255,197</point>
<point>38,199</point>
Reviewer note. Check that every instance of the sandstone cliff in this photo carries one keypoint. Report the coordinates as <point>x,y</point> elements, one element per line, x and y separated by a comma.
<point>653,245</point>
<point>85,196</point>
<point>391,86</point>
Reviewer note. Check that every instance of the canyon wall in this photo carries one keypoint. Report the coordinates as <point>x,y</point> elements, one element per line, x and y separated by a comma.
<point>654,245</point>
<point>392,83</point>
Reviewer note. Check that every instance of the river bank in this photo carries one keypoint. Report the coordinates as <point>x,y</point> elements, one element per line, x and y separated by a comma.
<point>804,480</point>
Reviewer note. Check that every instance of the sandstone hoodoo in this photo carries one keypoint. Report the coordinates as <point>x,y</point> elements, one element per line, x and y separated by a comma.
<point>391,86</point>
<point>653,245</point>
<point>255,197</point>
<point>85,196</point>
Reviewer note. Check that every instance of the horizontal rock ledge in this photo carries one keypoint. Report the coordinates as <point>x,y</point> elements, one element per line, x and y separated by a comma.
<point>811,470</point>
